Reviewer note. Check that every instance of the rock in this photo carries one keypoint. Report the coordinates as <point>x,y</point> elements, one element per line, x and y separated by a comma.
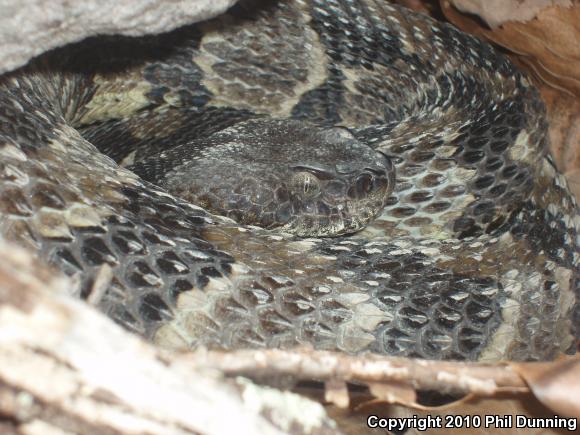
<point>31,27</point>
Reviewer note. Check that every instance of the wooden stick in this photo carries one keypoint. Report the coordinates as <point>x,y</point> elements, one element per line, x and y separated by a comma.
<point>306,364</point>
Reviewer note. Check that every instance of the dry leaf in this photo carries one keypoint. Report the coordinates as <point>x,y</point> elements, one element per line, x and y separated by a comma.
<point>556,384</point>
<point>548,44</point>
<point>394,392</point>
<point>497,12</point>
<point>336,392</point>
<point>497,416</point>
<point>483,416</point>
<point>564,119</point>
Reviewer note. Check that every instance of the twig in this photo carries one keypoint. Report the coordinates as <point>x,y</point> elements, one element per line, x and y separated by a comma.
<point>306,364</point>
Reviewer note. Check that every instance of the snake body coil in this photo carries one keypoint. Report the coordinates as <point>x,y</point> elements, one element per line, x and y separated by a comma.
<point>474,255</point>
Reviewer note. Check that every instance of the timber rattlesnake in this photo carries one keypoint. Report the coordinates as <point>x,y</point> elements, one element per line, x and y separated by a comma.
<point>474,256</point>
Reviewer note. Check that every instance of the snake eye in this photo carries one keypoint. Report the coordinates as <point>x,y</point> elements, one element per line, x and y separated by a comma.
<point>305,184</point>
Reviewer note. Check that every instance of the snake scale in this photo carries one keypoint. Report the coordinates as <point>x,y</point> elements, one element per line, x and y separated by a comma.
<point>473,255</point>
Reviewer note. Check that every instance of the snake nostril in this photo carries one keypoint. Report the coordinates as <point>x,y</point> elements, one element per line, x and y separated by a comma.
<point>323,209</point>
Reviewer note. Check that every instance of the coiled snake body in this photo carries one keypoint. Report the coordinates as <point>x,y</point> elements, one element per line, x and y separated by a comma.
<point>473,256</point>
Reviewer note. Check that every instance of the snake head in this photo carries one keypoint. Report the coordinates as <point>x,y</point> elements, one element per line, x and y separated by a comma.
<point>287,174</point>
<point>338,199</point>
